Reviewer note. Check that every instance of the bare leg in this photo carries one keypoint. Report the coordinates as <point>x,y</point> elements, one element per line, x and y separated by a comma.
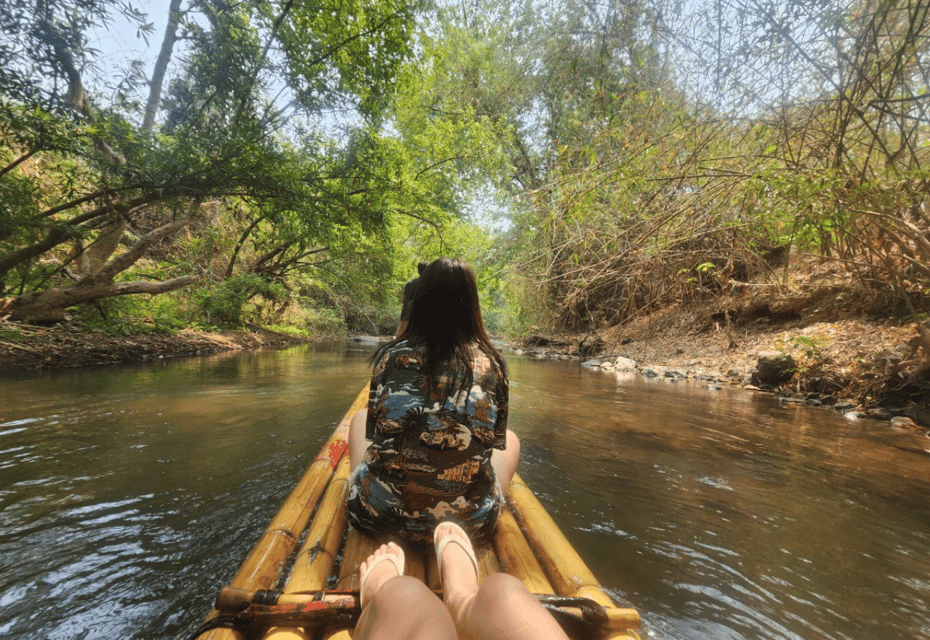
<point>400,607</point>
<point>505,462</point>
<point>358,445</point>
<point>501,608</point>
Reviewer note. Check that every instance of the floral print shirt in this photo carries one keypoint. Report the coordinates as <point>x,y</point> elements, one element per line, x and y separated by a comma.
<point>430,457</point>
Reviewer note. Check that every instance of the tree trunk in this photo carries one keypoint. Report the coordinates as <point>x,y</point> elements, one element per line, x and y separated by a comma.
<point>65,231</point>
<point>49,305</point>
<point>161,65</point>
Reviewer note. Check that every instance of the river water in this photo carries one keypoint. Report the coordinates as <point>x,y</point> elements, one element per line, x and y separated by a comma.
<point>129,495</point>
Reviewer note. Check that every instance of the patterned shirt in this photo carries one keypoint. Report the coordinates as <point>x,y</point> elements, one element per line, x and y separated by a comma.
<point>430,457</point>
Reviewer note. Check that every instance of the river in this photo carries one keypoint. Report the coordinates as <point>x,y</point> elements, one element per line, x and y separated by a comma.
<point>130,494</point>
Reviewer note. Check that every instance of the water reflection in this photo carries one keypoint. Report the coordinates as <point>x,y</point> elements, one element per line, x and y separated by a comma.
<point>728,515</point>
<point>128,496</point>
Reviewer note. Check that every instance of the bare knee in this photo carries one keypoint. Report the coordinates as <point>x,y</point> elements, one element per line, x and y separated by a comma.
<point>404,607</point>
<point>402,591</point>
<point>509,611</point>
<point>502,590</point>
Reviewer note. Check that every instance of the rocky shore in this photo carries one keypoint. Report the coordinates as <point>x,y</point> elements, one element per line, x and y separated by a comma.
<point>866,367</point>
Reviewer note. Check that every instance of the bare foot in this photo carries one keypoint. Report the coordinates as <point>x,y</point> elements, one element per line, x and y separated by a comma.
<point>385,563</point>
<point>458,568</point>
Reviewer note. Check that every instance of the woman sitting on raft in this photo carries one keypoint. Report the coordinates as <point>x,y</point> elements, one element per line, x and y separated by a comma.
<point>433,444</point>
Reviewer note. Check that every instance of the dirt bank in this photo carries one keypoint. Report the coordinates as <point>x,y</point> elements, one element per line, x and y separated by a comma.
<point>846,355</point>
<point>25,347</point>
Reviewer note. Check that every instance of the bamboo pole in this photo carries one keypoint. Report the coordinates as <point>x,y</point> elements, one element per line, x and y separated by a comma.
<point>317,556</point>
<point>565,568</point>
<point>263,566</point>
<point>515,555</point>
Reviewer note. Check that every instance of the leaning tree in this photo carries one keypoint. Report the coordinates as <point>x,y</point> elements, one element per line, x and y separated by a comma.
<point>87,192</point>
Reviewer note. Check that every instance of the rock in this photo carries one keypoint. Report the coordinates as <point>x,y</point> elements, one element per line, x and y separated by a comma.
<point>922,415</point>
<point>878,413</point>
<point>844,406</point>
<point>905,424</point>
<point>773,369</point>
<point>624,364</point>
<point>591,345</point>
<point>703,375</point>
<point>592,363</point>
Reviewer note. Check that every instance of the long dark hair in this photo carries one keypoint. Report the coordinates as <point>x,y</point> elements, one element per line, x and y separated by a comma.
<point>445,319</point>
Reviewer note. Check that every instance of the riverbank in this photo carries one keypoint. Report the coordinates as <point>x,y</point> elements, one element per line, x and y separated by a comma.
<point>868,365</point>
<point>26,347</point>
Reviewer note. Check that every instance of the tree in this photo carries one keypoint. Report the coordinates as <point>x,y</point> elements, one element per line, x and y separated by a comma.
<point>223,137</point>
<point>161,65</point>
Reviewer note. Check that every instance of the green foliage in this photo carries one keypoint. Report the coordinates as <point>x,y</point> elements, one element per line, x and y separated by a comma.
<point>44,43</point>
<point>346,49</point>
<point>810,347</point>
<point>272,198</point>
<point>561,149</point>
<point>225,304</point>
<point>129,315</point>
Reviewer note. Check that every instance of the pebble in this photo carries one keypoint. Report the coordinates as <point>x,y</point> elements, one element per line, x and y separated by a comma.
<point>625,369</point>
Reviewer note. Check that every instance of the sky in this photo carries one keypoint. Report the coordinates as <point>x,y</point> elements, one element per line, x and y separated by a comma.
<point>118,42</point>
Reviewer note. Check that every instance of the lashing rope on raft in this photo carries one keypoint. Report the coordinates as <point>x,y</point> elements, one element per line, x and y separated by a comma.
<point>340,609</point>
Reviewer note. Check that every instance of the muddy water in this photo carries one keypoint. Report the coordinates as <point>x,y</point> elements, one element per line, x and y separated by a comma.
<point>128,495</point>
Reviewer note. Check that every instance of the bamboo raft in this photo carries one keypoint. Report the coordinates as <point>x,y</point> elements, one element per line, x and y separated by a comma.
<point>318,600</point>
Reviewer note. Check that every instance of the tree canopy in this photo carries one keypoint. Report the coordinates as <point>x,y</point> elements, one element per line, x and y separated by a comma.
<point>614,156</point>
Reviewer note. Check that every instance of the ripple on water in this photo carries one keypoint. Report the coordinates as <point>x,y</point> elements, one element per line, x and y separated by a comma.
<point>131,496</point>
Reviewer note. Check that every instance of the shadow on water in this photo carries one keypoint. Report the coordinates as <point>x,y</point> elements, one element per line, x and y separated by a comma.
<point>129,495</point>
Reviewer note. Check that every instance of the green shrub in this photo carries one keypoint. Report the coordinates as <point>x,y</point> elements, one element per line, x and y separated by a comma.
<point>226,304</point>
